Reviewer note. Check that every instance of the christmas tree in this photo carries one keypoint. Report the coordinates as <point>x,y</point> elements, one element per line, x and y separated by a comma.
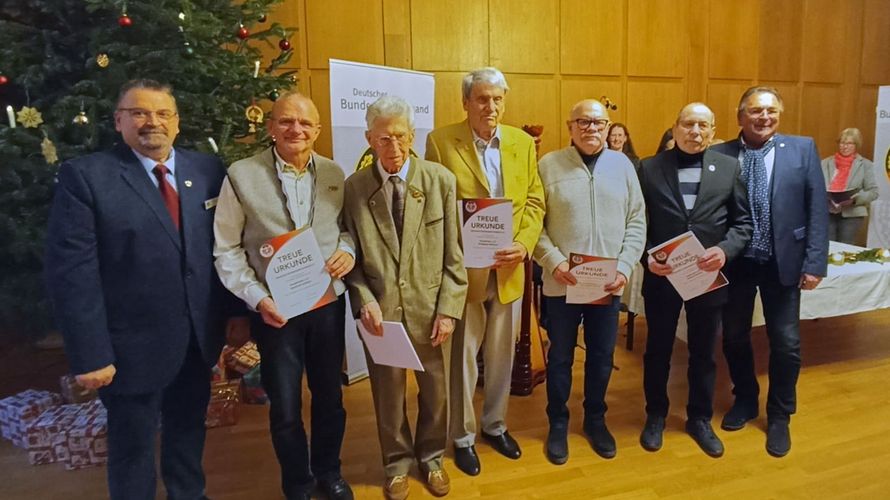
<point>61,65</point>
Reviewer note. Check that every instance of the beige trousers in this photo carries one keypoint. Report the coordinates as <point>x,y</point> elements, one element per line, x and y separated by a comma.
<point>492,327</point>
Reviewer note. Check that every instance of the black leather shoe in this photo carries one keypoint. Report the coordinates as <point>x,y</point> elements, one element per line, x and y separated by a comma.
<point>600,439</point>
<point>557,445</point>
<point>738,415</point>
<point>504,444</point>
<point>701,431</point>
<point>467,460</point>
<point>651,437</point>
<point>778,438</point>
<point>335,488</point>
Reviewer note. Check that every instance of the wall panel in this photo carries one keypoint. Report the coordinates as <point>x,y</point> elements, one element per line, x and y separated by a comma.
<point>731,22</point>
<point>592,37</point>
<point>779,40</point>
<point>867,105</point>
<point>336,29</point>
<point>657,38</point>
<point>449,36</point>
<point>876,42</point>
<point>652,106</point>
<point>320,92</point>
<point>820,115</point>
<point>649,56</point>
<point>525,35</point>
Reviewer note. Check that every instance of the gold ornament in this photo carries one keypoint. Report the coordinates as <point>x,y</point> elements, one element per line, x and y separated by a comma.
<point>102,60</point>
<point>81,119</point>
<point>29,117</point>
<point>254,115</point>
<point>49,151</point>
<point>836,258</point>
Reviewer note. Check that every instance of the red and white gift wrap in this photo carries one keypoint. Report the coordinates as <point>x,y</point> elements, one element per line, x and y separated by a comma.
<point>46,438</point>
<point>222,410</point>
<point>18,412</point>
<point>87,439</point>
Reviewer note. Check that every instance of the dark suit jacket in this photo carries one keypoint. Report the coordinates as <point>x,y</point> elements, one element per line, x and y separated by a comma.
<point>720,215</point>
<point>125,288</point>
<point>798,206</point>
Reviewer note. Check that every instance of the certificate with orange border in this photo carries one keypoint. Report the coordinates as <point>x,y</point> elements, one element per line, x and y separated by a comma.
<point>593,274</point>
<point>486,227</point>
<point>682,253</point>
<point>296,274</point>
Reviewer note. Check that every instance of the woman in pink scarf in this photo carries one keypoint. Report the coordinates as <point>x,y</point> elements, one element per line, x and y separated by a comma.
<point>850,180</point>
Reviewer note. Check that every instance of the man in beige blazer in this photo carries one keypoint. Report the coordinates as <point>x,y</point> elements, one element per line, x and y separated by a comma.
<point>490,160</point>
<point>402,215</point>
<point>283,188</point>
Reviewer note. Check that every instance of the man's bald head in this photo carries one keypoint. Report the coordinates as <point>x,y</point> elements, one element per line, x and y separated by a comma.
<point>694,128</point>
<point>588,120</point>
<point>294,125</point>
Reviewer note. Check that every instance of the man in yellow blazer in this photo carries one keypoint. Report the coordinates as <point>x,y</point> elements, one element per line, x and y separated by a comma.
<point>402,214</point>
<point>489,160</point>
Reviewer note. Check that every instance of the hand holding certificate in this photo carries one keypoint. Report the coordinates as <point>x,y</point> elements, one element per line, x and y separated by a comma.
<point>486,227</point>
<point>592,275</point>
<point>682,254</point>
<point>296,274</point>
<point>393,348</point>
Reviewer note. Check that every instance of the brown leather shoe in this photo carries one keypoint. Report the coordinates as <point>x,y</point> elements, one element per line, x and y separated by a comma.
<point>396,487</point>
<point>438,483</point>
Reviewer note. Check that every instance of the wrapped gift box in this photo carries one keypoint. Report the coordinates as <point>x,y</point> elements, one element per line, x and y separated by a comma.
<point>252,389</point>
<point>20,411</point>
<point>46,437</point>
<point>243,359</point>
<point>72,392</point>
<point>223,407</point>
<point>86,438</point>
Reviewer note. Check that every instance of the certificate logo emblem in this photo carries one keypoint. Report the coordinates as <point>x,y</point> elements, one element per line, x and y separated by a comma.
<point>266,250</point>
<point>661,256</point>
<point>577,259</point>
<point>471,206</point>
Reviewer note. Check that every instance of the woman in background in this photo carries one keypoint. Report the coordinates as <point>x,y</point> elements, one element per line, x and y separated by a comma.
<point>667,141</point>
<point>845,171</point>
<point>618,139</point>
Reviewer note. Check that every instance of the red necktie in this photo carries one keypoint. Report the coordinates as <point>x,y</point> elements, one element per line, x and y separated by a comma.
<point>171,199</point>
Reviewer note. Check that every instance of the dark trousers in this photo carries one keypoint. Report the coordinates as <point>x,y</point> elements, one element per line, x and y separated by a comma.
<point>313,342</point>
<point>781,308</point>
<point>133,426</point>
<point>703,321</point>
<point>600,329</point>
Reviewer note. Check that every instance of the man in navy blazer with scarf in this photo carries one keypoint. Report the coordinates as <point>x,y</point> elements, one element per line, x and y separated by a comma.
<point>787,253</point>
<point>129,265</point>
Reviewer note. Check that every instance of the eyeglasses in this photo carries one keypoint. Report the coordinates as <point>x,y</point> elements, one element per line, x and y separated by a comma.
<point>141,115</point>
<point>703,126</point>
<point>584,123</point>
<point>755,112</point>
<point>393,139</point>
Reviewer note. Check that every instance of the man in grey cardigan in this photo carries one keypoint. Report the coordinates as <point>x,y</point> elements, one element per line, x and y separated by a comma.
<point>283,188</point>
<point>595,208</point>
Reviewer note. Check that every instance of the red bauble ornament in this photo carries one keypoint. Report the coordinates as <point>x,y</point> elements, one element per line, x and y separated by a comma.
<point>284,44</point>
<point>125,21</point>
<point>3,80</point>
<point>243,33</point>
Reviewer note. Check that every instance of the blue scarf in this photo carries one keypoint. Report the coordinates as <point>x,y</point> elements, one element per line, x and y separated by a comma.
<point>760,248</point>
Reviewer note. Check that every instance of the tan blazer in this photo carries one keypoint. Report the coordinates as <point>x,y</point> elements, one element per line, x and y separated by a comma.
<point>453,147</point>
<point>862,176</point>
<point>420,276</point>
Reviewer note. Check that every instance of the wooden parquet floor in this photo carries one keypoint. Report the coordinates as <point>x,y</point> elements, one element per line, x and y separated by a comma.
<point>841,436</point>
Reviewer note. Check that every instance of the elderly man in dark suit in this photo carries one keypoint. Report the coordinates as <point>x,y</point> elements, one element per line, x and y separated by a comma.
<point>788,252</point>
<point>130,270</point>
<point>689,188</point>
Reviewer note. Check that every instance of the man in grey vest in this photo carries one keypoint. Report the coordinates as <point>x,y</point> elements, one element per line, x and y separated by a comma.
<point>283,188</point>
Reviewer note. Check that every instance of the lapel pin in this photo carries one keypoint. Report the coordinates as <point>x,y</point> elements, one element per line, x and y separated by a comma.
<point>372,203</point>
<point>333,188</point>
<point>781,144</point>
<point>711,168</point>
<point>188,183</point>
<point>417,194</point>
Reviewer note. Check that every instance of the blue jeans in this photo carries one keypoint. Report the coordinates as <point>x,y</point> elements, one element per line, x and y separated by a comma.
<point>600,330</point>
<point>314,343</point>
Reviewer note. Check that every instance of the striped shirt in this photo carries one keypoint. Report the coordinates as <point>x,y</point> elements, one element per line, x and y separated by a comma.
<point>689,173</point>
